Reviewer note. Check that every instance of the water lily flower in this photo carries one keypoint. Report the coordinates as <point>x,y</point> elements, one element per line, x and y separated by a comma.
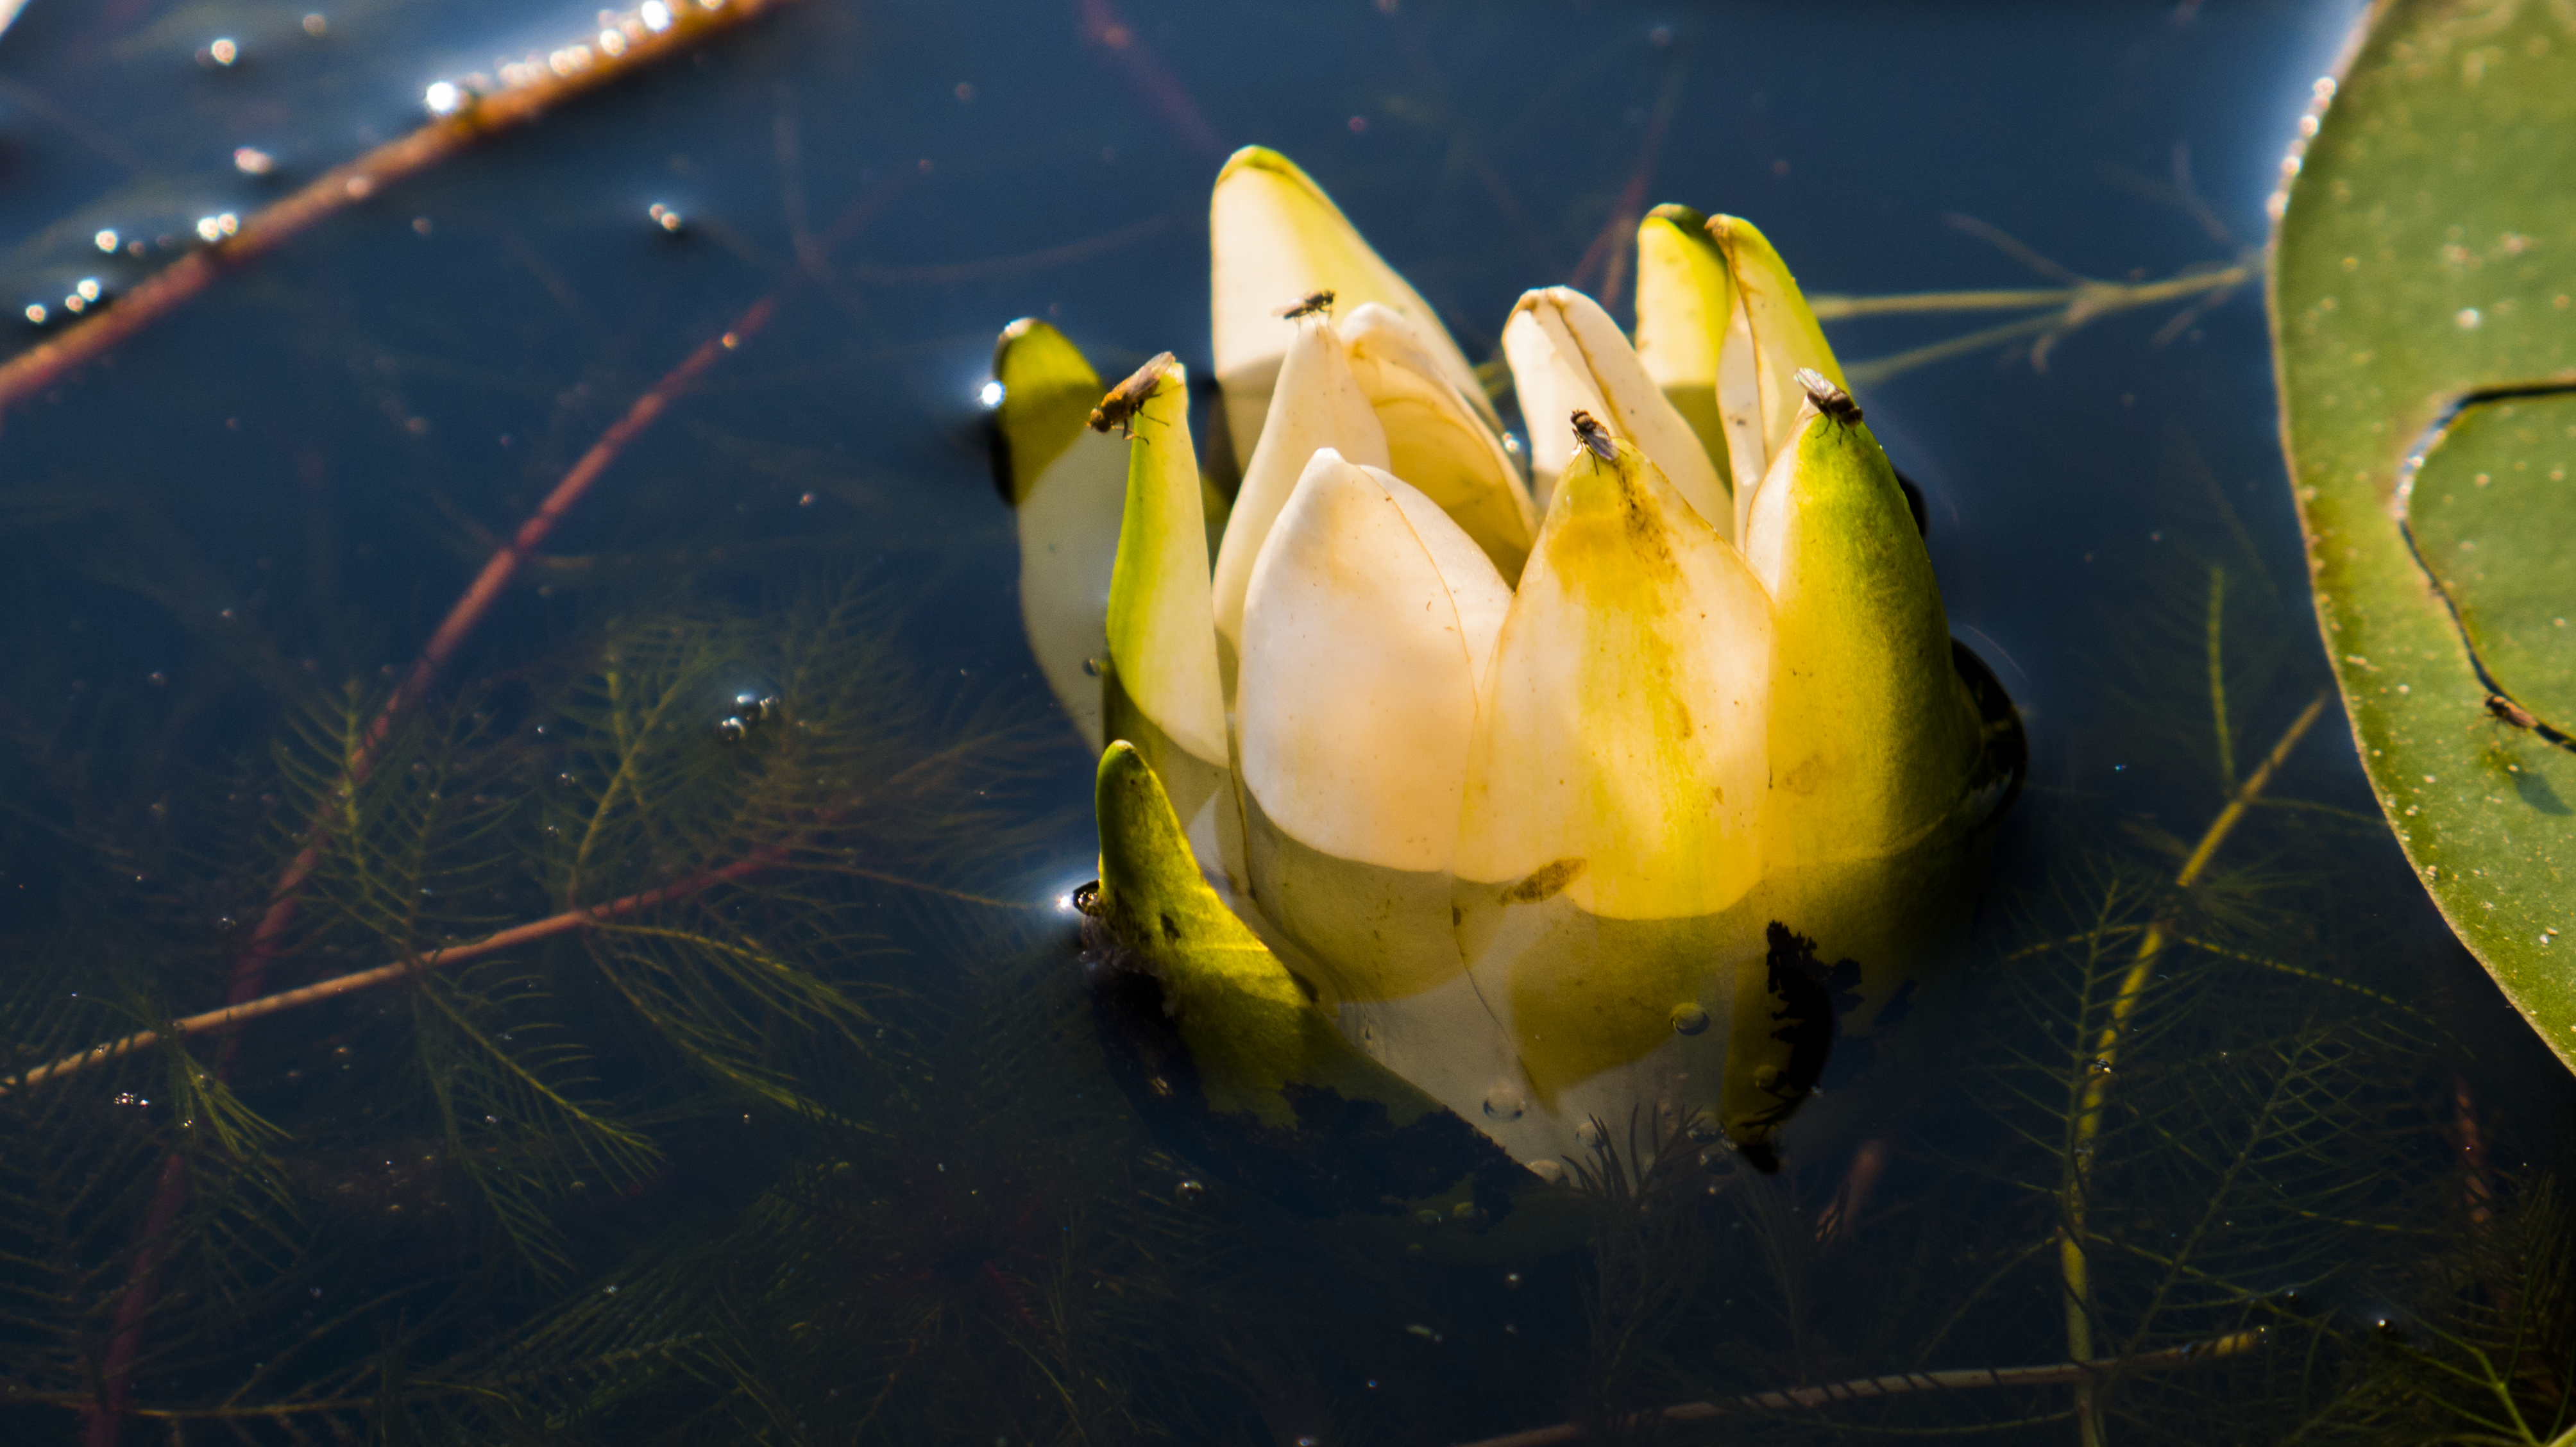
<point>1499,789</point>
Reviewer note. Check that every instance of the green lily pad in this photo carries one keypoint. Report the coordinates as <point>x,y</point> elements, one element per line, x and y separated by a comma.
<point>2421,323</point>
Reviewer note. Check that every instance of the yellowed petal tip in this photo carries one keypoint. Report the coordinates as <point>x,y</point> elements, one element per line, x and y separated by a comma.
<point>1785,334</point>
<point>1161,636</point>
<point>1276,239</point>
<point>1685,299</point>
<point>1067,487</point>
<point>1624,736</point>
<point>1873,737</point>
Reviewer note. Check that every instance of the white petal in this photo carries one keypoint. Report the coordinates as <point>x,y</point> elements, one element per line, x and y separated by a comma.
<point>1370,622</point>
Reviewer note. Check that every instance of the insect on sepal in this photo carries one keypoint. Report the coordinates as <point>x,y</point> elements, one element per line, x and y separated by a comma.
<point>1119,408</point>
<point>1314,303</point>
<point>1826,398</point>
<point>1589,431</point>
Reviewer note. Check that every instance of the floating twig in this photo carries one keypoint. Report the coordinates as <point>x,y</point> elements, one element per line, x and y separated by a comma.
<point>233,1016</point>
<point>527,90</point>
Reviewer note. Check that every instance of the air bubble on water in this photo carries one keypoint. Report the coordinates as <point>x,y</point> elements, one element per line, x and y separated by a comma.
<point>1590,1133</point>
<point>1188,1192</point>
<point>105,240</point>
<point>990,394</point>
<point>1505,1103</point>
<point>1551,1172</point>
<point>1689,1019</point>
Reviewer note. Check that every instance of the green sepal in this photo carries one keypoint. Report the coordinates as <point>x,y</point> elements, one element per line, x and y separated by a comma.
<point>1067,488</point>
<point>1161,623</point>
<point>1873,735</point>
<point>1685,296</point>
<point>1785,332</point>
<point>1048,391</point>
<point>1250,1028</point>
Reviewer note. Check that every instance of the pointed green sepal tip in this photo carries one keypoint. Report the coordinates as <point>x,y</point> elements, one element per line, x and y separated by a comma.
<point>1250,1031</point>
<point>1874,738</point>
<point>1047,392</point>
<point>1161,620</point>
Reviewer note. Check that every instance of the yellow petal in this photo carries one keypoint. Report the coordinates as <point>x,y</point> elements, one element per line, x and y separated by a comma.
<point>1276,239</point>
<point>1370,622</point>
<point>1873,735</point>
<point>1318,404</point>
<point>1624,735</point>
<point>1567,354</point>
<point>1684,302</point>
<point>1436,441</point>
<point>1785,334</point>
<point>1161,641</point>
<point>1067,485</point>
<point>1607,853</point>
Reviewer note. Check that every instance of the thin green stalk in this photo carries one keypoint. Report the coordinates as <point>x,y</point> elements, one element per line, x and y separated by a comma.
<point>2074,1266</point>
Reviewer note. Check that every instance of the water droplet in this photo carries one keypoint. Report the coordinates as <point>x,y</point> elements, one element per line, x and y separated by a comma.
<point>224,52</point>
<point>990,394</point>
<point>1590,1133</point>
<point>655,15</point>
<point>666,217</point>
<point>105,240</point>
<point>1689,1019</point>
<point>444,98</point>
<point>1188,1192</point>
<point>1551,1172</point>
<point>1505,1103</point>
<point>249,160</point>
<point>2467,319</point>
<point>732,730</point>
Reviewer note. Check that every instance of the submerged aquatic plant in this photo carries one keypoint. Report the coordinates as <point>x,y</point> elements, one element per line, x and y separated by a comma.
<point>1630,784</point>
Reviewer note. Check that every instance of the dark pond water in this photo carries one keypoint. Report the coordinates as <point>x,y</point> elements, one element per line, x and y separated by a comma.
<point>826,1149</point>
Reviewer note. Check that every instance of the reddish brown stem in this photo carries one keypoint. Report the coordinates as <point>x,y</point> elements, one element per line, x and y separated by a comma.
<point>250,972</point>
<point>41,366</point>
<point>233,1016</point>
